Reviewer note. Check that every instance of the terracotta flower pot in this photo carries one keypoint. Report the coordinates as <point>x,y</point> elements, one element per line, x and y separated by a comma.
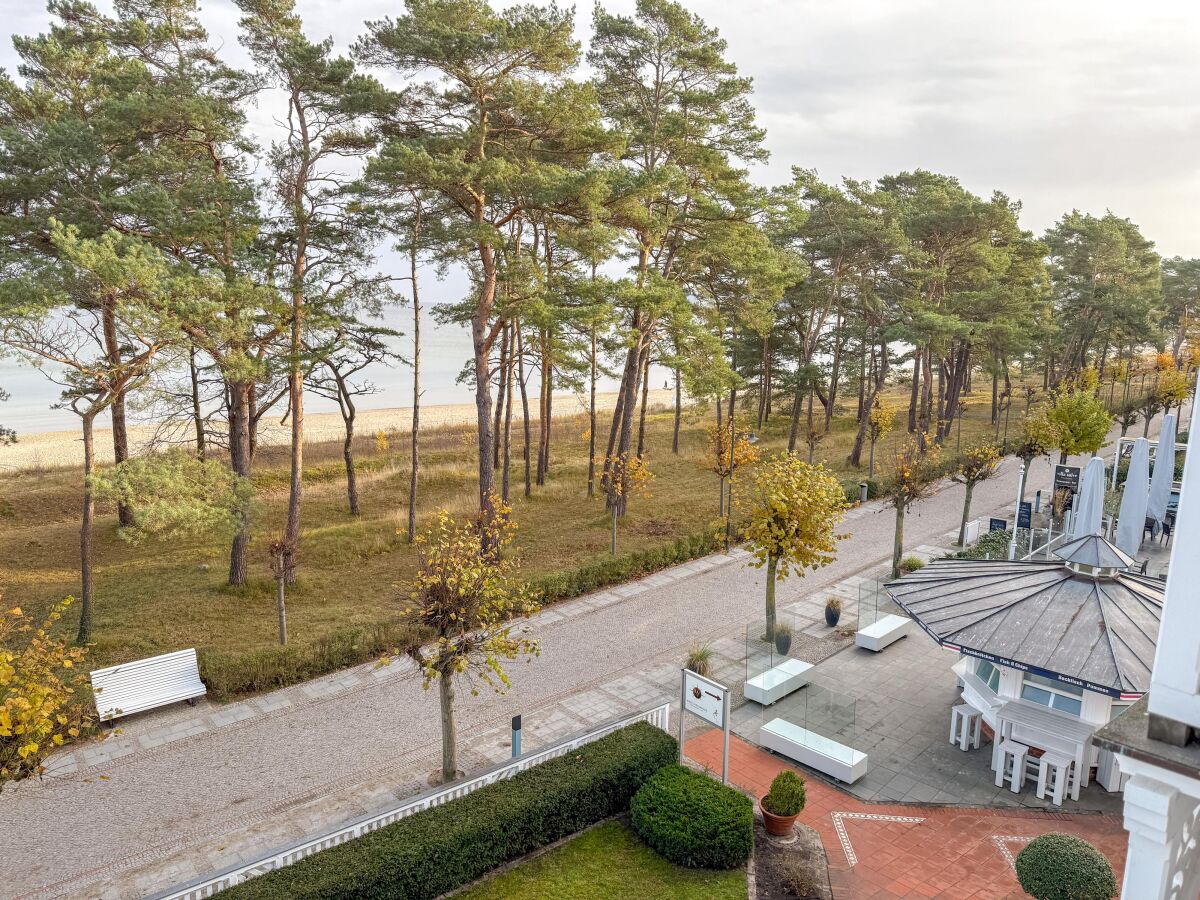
<point>780,826</point>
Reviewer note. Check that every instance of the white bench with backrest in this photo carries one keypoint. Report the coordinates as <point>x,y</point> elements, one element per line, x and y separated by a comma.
<point>144,684</point>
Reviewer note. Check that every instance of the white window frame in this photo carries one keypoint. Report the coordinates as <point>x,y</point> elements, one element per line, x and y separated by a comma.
<point>1058,688</point>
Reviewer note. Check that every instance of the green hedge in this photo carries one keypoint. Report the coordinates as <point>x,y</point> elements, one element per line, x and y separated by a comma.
<point>593,576</point>
<point>1060,866</point>
<point>994,545</point>
<point>693,820</point>
<point>440,849</point>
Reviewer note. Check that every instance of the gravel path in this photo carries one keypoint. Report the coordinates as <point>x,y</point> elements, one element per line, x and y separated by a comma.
<point>287,756</point>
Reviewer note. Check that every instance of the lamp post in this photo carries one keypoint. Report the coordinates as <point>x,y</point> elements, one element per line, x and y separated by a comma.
<point>1012,545</point>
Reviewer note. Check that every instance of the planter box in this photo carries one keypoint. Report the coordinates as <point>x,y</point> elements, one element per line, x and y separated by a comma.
<point>887,630</point>
<point>775,684</point>
<point>814,750</point>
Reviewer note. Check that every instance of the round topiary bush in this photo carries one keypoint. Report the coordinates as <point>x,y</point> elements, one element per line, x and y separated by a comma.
<point>693,820</point>
<point>1059,866</point>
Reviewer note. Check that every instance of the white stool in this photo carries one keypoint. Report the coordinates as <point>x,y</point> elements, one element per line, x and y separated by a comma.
<point>966,725</point>
<point>1054,775</point>
<point>1012,765</point>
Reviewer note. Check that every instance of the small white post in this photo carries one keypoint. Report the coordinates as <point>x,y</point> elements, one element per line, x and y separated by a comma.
<point>1012,545</point>
<point>725,739</point>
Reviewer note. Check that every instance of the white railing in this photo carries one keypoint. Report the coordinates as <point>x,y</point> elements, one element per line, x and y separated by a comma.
<point>658,716</point>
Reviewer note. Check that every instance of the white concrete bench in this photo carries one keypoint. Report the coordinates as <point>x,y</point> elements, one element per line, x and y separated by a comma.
<point>775,684</point>
<point>821,753</point>
<point>887,630</point>
<point>147,683</point>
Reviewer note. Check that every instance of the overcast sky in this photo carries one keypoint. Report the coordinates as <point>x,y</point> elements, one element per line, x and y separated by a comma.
<point>1066,104</point>
<point>1089,105</point>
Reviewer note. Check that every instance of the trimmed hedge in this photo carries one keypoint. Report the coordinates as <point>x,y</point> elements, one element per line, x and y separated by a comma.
<point>440,849</point>
<point>1060,866</point>
<point>693,820</point>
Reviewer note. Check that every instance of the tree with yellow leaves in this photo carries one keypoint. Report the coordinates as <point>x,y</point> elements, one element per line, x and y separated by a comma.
<point>793,521</point>
<point>1173,388</point>
<point>724,463</point>
<point>44,692</point>
<point>915,472</point>
<point>468,599</point>
<point>978,463</point>
<point>883,417</point>
<point>630,478</point>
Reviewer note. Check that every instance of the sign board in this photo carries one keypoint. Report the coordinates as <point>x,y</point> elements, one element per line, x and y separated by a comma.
<point>1025,515</point>
<point>704,698</point>
<point>1066,477</point>
<point>710,701</point>
<point>995,524</point>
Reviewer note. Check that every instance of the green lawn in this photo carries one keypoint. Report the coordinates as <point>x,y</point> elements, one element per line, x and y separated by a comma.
<point>608,861</point>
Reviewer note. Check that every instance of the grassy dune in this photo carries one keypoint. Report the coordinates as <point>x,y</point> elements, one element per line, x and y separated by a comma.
<point>354,571</point>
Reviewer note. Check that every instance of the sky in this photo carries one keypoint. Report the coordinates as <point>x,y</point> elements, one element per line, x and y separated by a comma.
<point>1066,105</point>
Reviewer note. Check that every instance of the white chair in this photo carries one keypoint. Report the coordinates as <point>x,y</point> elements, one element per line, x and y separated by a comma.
<point>1054,775</point>
<point>966,726</point>
<point>1013,756</point>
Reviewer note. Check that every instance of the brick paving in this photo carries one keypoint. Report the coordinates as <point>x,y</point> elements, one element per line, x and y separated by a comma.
<point>889,850</point>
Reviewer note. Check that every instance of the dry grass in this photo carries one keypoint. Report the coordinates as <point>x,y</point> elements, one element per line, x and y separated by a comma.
<point>354,571</point>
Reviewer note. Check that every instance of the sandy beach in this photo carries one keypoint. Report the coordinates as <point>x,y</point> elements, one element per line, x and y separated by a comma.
<point>59,449</point>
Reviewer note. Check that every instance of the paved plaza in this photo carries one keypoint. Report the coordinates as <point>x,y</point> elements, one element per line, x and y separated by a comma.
<point>183,792</point>
<point>881,851</point>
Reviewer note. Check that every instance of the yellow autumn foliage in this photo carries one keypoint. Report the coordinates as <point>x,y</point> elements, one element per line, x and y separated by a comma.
<point>794,514</point>
<point>44,692</point>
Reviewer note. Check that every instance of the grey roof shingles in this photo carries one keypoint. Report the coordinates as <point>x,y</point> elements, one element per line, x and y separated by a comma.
<point>1042,614</point>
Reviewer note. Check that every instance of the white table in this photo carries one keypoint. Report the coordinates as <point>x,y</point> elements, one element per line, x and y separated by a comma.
<point>1047,729</point>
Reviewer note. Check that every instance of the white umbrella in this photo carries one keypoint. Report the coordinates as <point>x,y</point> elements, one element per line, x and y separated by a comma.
<point>1131,523</point>
<point>1163,478</point>
<point>1089,502</point>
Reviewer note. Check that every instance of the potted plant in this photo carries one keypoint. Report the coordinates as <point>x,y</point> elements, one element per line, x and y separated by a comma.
<point>699,659</point>
<point>833,611</point>
<point>783,638</point>
<point>783,803</point>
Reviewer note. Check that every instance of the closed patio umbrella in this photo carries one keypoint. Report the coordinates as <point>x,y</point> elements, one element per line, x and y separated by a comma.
<point>1163,478</point>
<point>1089,508</point>
<point>1131,523</point>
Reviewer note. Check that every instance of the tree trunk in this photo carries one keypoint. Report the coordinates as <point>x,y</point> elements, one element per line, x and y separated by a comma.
<point>543,461</point>
<point>415,464</point>
<point>678,414</point>
<point>898,545</point>
<point>449,731</point>
<point>87,589</point>
<point>240,460</point>
<point>483,383</point>
<point>916,386</point>
<point>641,443</point>
<point>524,411</point>
<point>591,476</point>
<point>508,398</point>
<point>120,434</point>
<point>871,463</point>
<point>197,416</point>
<point>348,456</point>
<point>501,371</point>
<point>281,607</point>
<point>962,528</point>
<point>772,565</point>
<point>296,402</point>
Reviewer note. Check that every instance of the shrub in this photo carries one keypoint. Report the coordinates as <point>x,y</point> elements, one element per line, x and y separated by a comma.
<point>912,563</point>
<point>834,604</point>
<point>1059,866</point>
<point>699,658</point>
<point>850,489</point>
<point>435,851</point>
<point>994,545</point>
<point>786,796</point>
<point>694,821</point>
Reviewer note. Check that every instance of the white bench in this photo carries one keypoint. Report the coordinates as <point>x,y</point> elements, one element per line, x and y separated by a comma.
<point>775,684</point>
<point>815,750</point>
<point>886,630</point>
<point>147,683</point>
